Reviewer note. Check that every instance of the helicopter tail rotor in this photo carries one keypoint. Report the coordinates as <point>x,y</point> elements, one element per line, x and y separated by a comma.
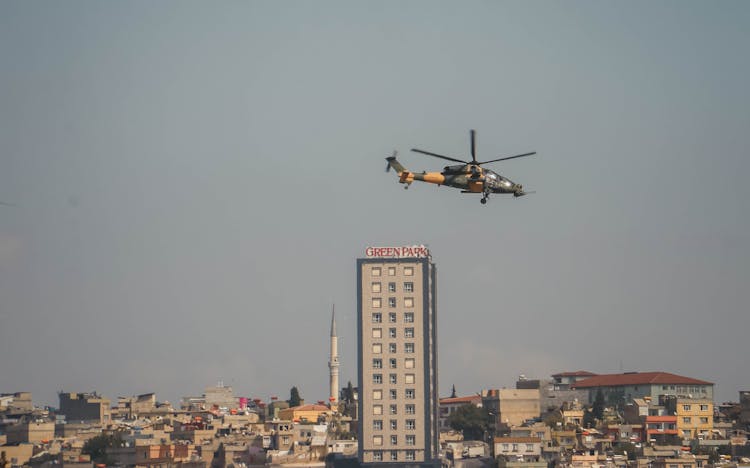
<point>390,160</point>
<point>394,164</point>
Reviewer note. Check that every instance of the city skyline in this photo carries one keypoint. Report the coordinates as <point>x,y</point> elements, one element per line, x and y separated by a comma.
<point>184,188</point>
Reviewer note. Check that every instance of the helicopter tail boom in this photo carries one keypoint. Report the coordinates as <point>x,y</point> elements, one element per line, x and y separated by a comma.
<point>393,163</point>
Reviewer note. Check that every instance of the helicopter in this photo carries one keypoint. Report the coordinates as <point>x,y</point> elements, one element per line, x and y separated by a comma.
<point>469,176</point>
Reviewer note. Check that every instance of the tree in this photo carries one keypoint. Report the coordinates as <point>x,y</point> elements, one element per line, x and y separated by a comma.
<point>553,419</point>
<point>348,406</point>
<point>97,447</point>
<point>471,420</point>
<point>597,411</point>
<point>588,418</point>
<point>294,398</point>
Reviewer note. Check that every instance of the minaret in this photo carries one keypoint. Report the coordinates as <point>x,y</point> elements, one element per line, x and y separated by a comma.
<point>333,363</point>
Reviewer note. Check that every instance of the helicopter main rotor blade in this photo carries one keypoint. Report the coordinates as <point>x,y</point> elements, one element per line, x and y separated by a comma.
<point>509,157</point>
<point>438,156</point>
<point>473,147</point>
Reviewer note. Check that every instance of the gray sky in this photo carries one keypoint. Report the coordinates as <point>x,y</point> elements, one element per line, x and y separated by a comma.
<point>193,182</point>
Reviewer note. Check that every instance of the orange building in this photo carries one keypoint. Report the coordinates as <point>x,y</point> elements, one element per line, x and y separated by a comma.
<point>304,413</point>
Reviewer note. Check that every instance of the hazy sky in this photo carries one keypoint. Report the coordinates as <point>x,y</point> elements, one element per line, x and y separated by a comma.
<point>194,181</point>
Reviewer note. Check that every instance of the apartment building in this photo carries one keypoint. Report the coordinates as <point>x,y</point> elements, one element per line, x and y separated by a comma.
<point>397,356</point>
<point>695,418</point>
<point>86,407</point>
<point>631,385</point>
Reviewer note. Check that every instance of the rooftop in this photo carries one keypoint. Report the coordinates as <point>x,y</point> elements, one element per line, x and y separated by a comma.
<point>638,378</point>
<point>464,399</point>
<point>580,373</point>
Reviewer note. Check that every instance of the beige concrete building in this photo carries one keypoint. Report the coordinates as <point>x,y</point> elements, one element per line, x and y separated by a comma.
<point>33,432</point>
<point>511,406</point>
<point>525,448</point>
<point>88,407</point>
<point>397,356</point>
<point>135,406</point>
<point>16,403</point>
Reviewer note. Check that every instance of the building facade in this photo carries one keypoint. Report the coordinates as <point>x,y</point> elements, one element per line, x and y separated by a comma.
<point>695,418</point>
<point>86,407</point>
<point>653,385</point>
<point>397,357</point>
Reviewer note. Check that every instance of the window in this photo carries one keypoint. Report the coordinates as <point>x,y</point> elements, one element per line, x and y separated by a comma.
<point>408,271</point>
<point>411,424</point>
<point>704,407</point>
<point>686,407</point>
<point>377,409</point>
<point>377,317</point>
<point>410,409</point>
<point>394,455</point>
<point>377,348</point>
<point>376,303</point>
<point>686,420</point>
<point>377,332</point>
<point>410,393</point>
<point>409,363</point>
<point>515,447</point>
<point>408,333</point>
<point>408,287</point>
<point>393,394</point>
<point>377,440</point>
<point>529,447</point>
<point>410,455</point>
<point>394,424</point>
<point>377,455</point>
<point>391,302</point>
<point>391,347</point>
<point>392,379</point>
<point>394,409</point>
<point>391,271</point>
<point>704,420</point>
<point>408,302</point>
<point>506,447</point>
<point>392,317</point>
<point>391,287</point>
<point>411,439</point>
<point>375,287</point>
<point>377,363</point>
<point>409,378</point>
<point>394,440</point>
<point>375,271</point>
<point>409,347</point>
<point>391,333</point>
<point>377,394</point>
<point>409,317</point>
<point>392,363</point>
<point>377,424</point>
<point>377,378</point>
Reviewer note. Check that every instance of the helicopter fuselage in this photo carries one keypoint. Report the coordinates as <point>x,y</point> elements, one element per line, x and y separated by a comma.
<point>474,180</point>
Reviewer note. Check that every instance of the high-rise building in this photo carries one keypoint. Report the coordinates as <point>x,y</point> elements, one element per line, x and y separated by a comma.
<point>397,357</point>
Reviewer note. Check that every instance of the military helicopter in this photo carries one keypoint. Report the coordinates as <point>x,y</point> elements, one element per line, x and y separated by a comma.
<point>469,176</point>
